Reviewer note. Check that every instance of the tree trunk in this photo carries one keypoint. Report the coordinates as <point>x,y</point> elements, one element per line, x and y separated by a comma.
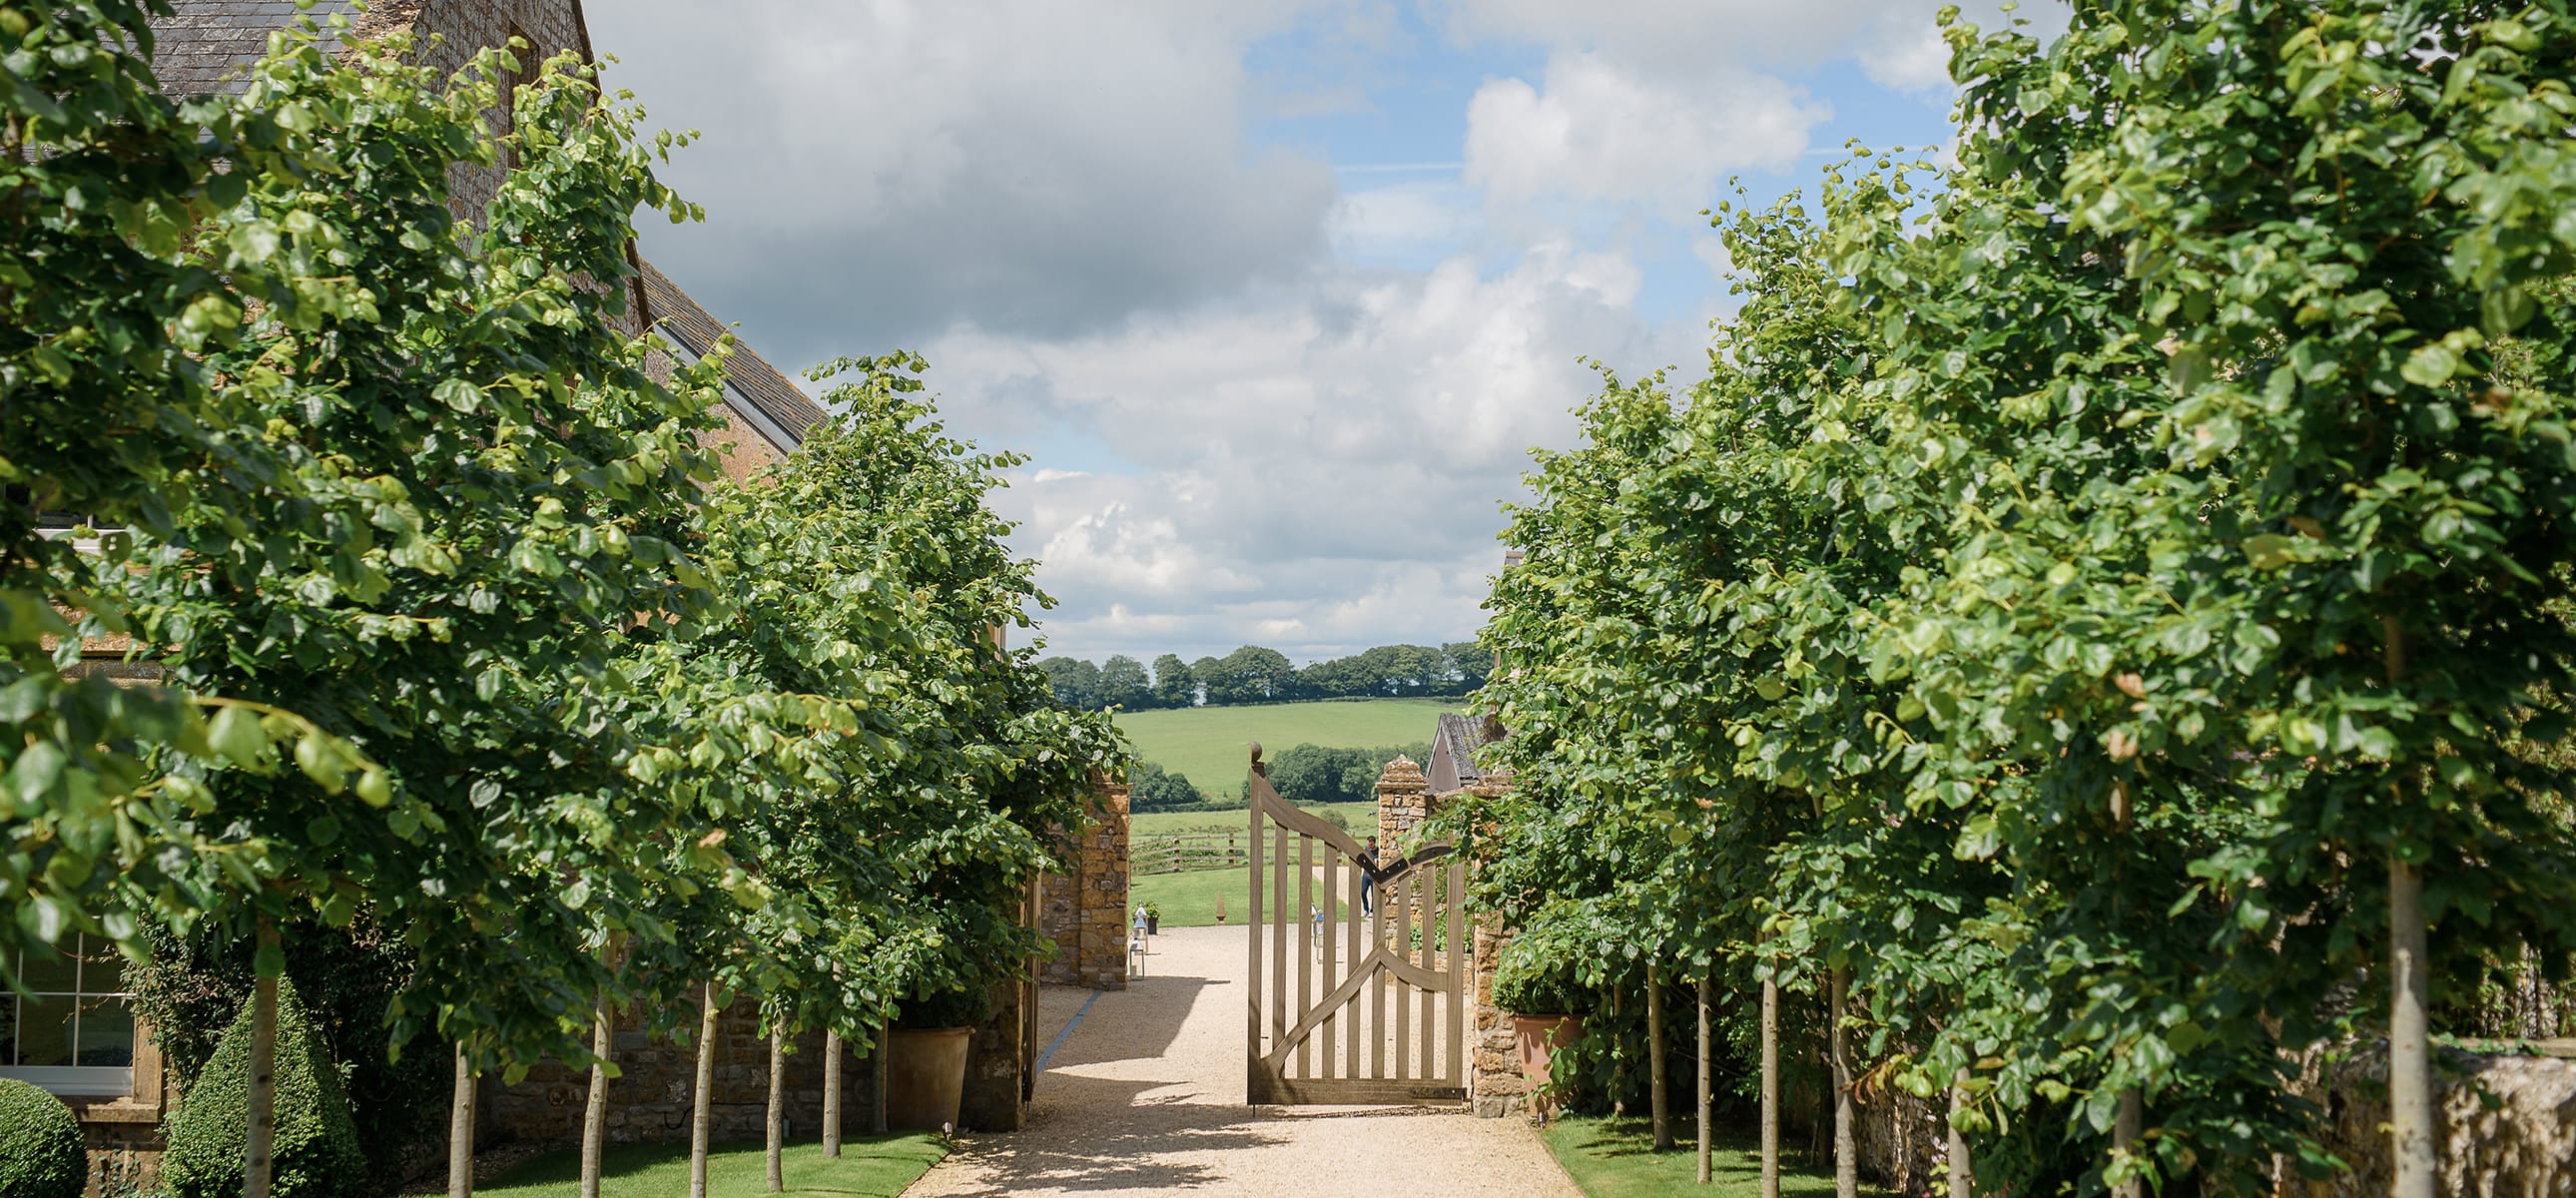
<point>2128,1123</point>
<point>702,1116</point>
<point>2410,1051</point>
<point>460,1129</point>
<point>1770,1088</point>
<point>1846,1153</point>
<point>877,1063</point>
<point>1963,1176</point>
<point>777,1107</point>
<point>1661,1103</point>
<point>258,1161</point>
<point>594,1116</point>
<point>832,1095</point>
<point>1707,1099</point>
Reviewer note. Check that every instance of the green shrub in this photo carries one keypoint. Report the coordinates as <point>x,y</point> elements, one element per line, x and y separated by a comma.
<point>41,1151</point>
<point>316,1143</point>
<point>1532,979</point>
<point>968,1007</point>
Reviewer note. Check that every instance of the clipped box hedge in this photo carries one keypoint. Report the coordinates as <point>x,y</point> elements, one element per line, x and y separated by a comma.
<point>316,1143</point>
<point>42,1154</point>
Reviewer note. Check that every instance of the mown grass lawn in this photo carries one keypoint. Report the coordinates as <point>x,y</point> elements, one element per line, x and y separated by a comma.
<point>1615,1158</point>
<point>1209,743</point>
<point>870,1167</point>
<point>1188,900</point>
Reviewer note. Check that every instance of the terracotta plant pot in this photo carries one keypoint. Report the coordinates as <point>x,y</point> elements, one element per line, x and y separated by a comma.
<point>925,1077</point>
<point>1536,1035</point>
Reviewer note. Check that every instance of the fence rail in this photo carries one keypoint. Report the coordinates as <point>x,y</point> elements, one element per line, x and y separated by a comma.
<point>1179,852</point>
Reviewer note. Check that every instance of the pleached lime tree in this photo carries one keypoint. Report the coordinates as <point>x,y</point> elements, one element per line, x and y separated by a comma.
<point>2143,616</point>
<point>581,726</point>
<point>108,420</point>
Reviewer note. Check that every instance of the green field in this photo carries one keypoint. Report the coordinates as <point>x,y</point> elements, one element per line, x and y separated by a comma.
<point>1190,900</point>
<point>870,1167</point>
<point>1211,744</point>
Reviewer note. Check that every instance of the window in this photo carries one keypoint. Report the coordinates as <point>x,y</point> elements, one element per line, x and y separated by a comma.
<point>74,1032</point>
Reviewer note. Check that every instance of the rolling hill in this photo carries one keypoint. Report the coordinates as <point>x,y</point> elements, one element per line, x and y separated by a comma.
<point>1211,744</point>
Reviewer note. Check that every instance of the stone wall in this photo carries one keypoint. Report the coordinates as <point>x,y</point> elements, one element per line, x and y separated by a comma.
<point>1085,911</point>
<point>1495,1087</point>
<point>997,1091</point>
<point>2508,1125</point>
<point>2508,1129</point>
<point>650,1102</point>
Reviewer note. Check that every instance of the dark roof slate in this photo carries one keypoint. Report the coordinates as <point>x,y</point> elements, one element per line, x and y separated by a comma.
<point>1453,753</point>
<point>682,320</point>
<point>198,47</point>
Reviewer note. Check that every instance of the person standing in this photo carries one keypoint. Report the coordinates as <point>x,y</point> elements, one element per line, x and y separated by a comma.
<point>1367,861</point>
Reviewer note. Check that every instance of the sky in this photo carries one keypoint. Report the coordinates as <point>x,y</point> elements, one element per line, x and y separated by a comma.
<point>1276,296</point>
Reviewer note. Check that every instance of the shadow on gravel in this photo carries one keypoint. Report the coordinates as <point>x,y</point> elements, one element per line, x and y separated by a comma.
<point>1148,1014</point>
<point>1104,1135</point>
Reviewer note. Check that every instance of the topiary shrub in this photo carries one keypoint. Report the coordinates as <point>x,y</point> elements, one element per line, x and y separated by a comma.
<point>42,1154</point>
<point>316,1143</point>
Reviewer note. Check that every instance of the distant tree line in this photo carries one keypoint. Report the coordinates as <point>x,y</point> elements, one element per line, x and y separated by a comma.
<point>1253,674</point>
<point>1306,775</point>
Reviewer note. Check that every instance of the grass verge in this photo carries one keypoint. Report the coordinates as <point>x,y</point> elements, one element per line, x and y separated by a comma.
<point>1616,1158</point>
<point>870,1167</point>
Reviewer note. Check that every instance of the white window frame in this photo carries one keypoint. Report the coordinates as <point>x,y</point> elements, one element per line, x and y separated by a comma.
<point>76,1081</point>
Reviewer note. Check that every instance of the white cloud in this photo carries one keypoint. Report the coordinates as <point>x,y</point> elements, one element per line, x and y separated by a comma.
<point>1334,457</point>
<point>1298,391</point>
<point>1402,220</point>
<point>1711,250</point>
<point>901,165</point>
<point>1907,54</point>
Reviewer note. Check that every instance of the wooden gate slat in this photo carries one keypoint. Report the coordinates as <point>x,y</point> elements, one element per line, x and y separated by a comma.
<point>1351,939</point>
<point>1456,1074</point>
<point>1327,943</point>
<point>1305,944</point>
<point>1252,969</point>
<point>1279,930</point>
<point>1433,928</point>
<point>1404,993</point>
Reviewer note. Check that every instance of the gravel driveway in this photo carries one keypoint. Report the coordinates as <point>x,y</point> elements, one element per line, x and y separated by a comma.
<point>1146,1096</point>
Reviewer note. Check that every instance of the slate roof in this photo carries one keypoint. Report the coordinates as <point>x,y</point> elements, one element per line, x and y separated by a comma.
<point>203,41</point>
<point>1453,753</point>
<point>681,319</point>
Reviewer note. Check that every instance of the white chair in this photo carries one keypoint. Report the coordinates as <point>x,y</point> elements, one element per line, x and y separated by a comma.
<point>1136,953</point>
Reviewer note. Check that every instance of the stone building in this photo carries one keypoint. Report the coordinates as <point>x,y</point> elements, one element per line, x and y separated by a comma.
<point>75,1033</point>
<point>1453,767</point>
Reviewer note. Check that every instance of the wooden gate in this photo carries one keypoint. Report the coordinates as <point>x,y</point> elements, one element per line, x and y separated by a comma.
<point>1349,1007</point>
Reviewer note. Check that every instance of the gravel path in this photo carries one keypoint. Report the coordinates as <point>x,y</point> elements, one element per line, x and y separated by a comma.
<point>1146,1096</point>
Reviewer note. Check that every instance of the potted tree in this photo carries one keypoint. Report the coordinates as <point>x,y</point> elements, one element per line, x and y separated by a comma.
<point>1153,918</point>
<point>926,1057</point>
<point>1540,989</point>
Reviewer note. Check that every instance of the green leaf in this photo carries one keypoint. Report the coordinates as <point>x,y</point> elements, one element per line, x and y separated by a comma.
<point>2430,365</point>
<point>235,734</point>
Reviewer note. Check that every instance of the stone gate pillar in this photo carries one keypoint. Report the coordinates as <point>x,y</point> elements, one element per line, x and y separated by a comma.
<point>1403,802</point>
<point>1085,910</point>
